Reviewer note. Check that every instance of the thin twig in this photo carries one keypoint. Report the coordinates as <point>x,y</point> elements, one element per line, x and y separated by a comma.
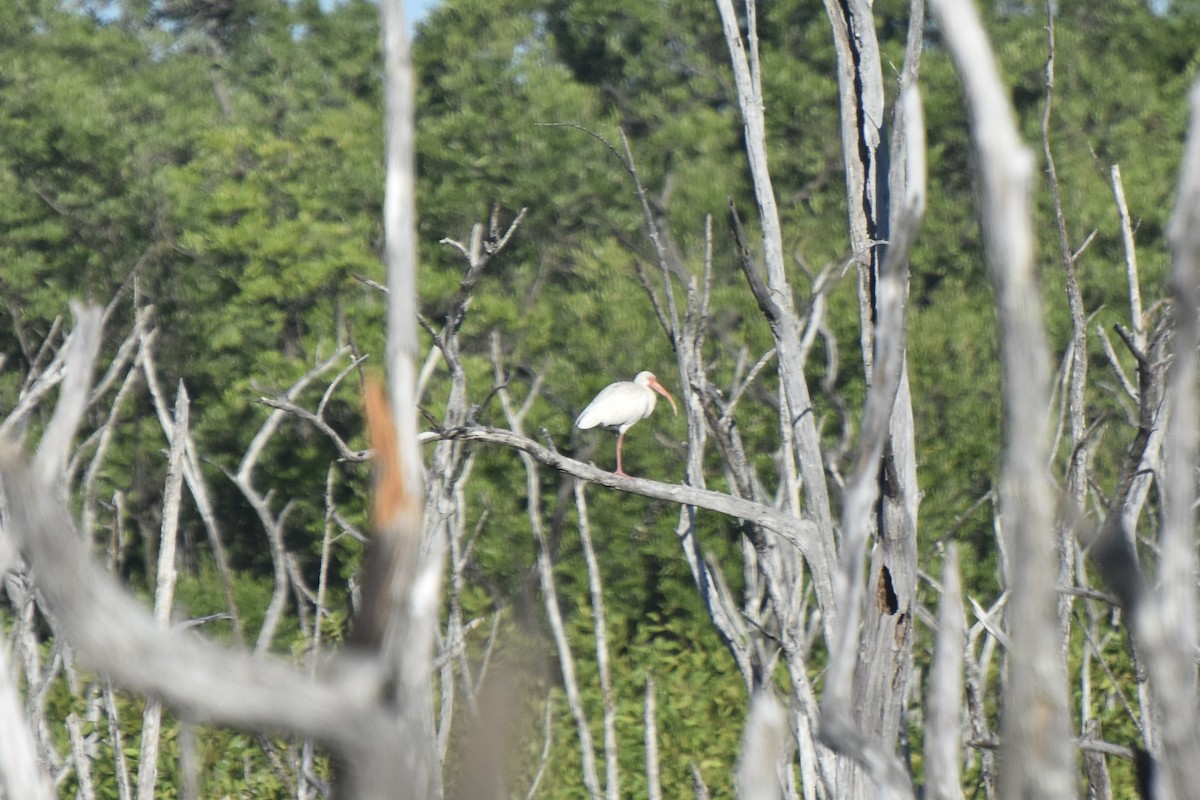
<point>612,781</point>
<point>650,718</point>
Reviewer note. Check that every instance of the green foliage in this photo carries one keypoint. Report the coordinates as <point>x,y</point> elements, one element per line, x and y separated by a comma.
<point>118,166</point>
<point>700,701</point>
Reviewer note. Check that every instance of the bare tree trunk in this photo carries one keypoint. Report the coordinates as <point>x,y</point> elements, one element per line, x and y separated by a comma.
<point>1099,785</point>
<point>164,594</point>
<point>775,299</point>
<point>944,702</point>
<point>20,773</point>
<point>884,657</point>
<point>1171,613</point>
<point>402,584</point>
<point>764,749</point>
<point>1038,759</point>
<point>884,668</point>
<point>861,103</point>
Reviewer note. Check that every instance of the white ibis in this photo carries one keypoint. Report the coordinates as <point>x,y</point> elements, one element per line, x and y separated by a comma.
<point>619,405</point>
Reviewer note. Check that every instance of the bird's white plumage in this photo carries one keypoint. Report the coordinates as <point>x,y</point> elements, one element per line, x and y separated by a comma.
<point>620,405</point>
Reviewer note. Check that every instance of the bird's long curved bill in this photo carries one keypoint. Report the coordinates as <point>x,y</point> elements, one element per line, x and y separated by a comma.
<point>658,387</point>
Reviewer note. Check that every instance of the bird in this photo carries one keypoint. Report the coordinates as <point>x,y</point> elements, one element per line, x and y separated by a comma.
<point>619,405</point>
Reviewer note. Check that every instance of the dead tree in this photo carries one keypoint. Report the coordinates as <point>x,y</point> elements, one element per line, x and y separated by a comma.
<point>829,560</point>
<point>370,705</point>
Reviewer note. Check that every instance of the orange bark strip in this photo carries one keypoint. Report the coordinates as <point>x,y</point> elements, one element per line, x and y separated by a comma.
<point>391,495</point>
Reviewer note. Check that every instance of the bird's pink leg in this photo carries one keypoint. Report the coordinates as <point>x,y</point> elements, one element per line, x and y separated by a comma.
<point>620,441</point>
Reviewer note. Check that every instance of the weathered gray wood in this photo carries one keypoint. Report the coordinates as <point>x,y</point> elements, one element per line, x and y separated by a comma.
<point>1163,616</point>
<point>164,590</point>
<point>944,698</point>
<point>1038,759</point>
<point>116,635</point>
<point>885,666</point>
<point>861,107</point>
<point>20,773</point>
<point>1172,612</point>
<point>777,302</point>
<point>880,666</point>
<point>765,749</point>
<point>412,577</point>
<point>1095,767</point>
<point>81,349</point>
<point>799,533</point>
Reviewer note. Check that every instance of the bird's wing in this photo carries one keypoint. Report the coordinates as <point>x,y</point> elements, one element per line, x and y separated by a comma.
<point>618,404</point>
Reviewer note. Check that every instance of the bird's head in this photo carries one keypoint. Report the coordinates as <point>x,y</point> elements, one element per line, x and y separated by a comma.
<point>648,380</point>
